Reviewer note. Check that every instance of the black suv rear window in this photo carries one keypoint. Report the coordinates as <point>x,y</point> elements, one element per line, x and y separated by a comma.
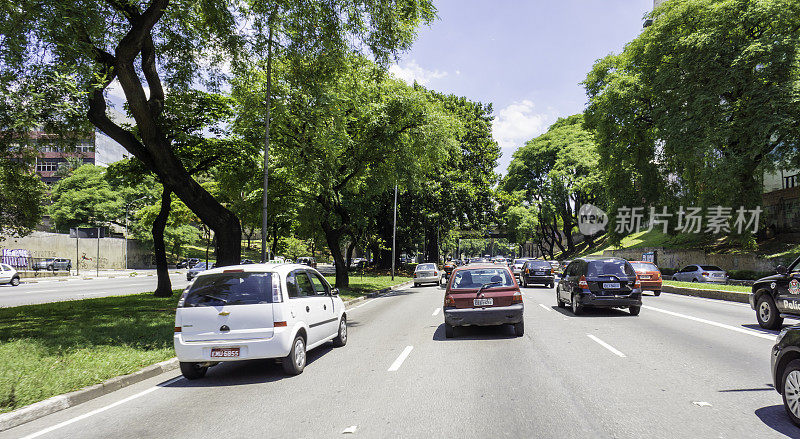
<point>611,267</point>
<point>230,289</point>
<point>539,264</point>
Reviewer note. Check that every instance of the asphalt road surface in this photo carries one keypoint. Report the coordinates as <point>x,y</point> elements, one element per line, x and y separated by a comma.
<point>685,367</point>
<point>54,290</point>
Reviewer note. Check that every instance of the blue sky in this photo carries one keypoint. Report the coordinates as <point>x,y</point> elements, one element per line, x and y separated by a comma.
<point>527,58</point>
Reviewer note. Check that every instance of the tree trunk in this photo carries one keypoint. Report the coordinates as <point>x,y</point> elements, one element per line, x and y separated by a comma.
<point>164,287</point>
<point>274,238</point>
<point>334,240</point>
<point>350,247</point>
<point>431,245</point>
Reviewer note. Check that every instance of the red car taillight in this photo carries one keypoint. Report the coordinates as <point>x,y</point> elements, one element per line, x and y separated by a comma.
<point>449,301</point>
<point>705,273</point>
<point>582,283</point>
<point>637,283</point>
<point>516,298</point>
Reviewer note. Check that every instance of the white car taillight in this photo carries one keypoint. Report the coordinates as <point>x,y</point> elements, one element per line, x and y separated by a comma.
<point>277,295</point>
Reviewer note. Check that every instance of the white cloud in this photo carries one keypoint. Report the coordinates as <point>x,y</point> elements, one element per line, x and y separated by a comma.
<point>412,71</point>
<point>516,124</point>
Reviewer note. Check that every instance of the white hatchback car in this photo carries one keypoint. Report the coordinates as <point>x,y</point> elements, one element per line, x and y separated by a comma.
<point>245,312</point>
<point>426,273</point>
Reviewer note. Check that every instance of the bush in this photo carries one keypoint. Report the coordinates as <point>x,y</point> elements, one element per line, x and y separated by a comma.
<point>748,274</point>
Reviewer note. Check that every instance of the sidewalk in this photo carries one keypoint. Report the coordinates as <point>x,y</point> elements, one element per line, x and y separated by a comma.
<point>93,274</point>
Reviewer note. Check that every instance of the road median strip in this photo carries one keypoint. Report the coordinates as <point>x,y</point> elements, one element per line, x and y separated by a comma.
<point>708,293</point>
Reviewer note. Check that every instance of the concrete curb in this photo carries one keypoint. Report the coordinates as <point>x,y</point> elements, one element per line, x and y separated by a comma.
<point>731,296</point>
<point>67,400</point>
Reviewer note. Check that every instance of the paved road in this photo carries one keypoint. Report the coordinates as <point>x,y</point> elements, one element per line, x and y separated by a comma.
<point>685,367</point>
<point>54,290</point>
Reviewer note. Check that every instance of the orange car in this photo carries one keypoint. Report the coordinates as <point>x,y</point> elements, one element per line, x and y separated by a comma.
<point>649,275</point>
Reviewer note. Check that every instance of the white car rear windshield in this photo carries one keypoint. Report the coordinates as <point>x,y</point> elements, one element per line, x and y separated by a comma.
<point>711,268</point>
<point>223,289</point>
<point>477,277</point>
<point>426,267</point>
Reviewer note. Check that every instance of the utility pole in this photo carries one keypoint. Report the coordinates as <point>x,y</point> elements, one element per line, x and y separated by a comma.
<point>394,229</point>
<point>266,147</point>
<point>77,252</point>
<point>97,263</point>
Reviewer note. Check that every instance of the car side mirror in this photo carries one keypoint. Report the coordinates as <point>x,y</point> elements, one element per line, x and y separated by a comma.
<point>334,292</point>
<point>781,269</point>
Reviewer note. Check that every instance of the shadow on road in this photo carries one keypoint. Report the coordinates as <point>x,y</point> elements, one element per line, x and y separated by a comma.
<point>756,327</point>
<point>769,387</point>
<point>242,373</point>
<point>466,333</point>
<point>593,312</point>
<point>775,417</point>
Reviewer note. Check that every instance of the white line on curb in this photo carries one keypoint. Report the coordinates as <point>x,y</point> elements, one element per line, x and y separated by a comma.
<point>606,345</point>
<point>712,323</point>
<point>399,361</point>
<point>545,307</point>
<point>100,410</point>
<point>436,311</point>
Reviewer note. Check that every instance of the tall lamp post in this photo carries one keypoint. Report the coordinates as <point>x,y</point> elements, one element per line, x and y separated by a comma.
<point>394,229</point>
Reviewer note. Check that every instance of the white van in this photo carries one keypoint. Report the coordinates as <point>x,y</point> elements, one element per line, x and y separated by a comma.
<point>245,312</point>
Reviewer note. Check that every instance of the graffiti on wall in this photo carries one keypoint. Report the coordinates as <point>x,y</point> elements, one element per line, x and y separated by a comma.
<point>15,257</point>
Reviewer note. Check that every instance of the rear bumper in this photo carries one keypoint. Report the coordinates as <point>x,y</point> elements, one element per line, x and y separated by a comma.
<point>650,285</point>
<point>425,280</point>
<point>483,316</point>
<point>539,279</point>
<point>277,346</point>
<point>634,299</point>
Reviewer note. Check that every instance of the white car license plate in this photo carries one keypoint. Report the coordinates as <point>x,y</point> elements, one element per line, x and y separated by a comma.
<point>483,302</point>
<point>610,285</point>
<point>644,276</point>
<point>225,352</point>
<point>540,273</point>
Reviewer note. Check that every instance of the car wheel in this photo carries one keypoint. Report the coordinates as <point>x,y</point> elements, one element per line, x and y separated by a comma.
<point>341,338</point>
<point>767,313</point>
<point>695,280</point>
<point>657,293</point>
<point>524,282</point>
<point>193,371</point>
<point>416,285</point>
<point>519,329</point>
<point>559,302</point>
<point>15,281</point>
<point>295,362</point>
<point>449,330</point>
<point>577,308</point>
<point>634,310</point>
<point>791,390</point>
<point>552,285</point>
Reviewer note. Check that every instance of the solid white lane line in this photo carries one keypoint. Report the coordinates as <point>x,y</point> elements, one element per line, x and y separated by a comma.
<point>712,323</point>
<point>40,291</point>
<point>606,345</point>
<point>399,361</point>
<point>545,307</point>
<point>100,410</point>
<point>436,311</point>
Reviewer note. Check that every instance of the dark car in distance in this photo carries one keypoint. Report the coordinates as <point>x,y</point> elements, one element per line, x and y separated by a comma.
<point>482,295</point>
<point>785,362</point>
<point>601,283</point>
<point>777,296</point>
<point>537,271</point>
<point>187,263</point>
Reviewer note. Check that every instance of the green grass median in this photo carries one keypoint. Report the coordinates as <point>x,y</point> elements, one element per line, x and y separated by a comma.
<point>704,286</point>
<point>55,348</point>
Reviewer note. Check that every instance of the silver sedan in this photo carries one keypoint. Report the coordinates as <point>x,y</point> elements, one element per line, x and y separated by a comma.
<point>701,273</point>
<point>426,273</point>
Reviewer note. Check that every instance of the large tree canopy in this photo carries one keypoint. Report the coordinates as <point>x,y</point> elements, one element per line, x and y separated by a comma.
<point>700,103</point>
<point>156,46</point>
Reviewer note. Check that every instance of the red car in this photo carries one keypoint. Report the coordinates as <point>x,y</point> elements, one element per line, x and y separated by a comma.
<point>482,295</point>
<point>649,276</point>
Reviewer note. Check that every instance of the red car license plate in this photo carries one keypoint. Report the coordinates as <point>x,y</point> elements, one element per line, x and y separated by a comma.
<point>225,352</point>
<point>644,277</point>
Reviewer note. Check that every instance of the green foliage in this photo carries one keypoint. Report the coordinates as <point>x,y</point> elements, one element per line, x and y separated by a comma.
<point>21,192</point>
<point>85,199</point>
<point>709,93</point>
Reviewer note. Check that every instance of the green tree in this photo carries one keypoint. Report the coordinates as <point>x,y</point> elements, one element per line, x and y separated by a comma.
<point>709,94</point>
<point>159,45</point>
<point>557,171</point>
<point>21,194</point>
<point>85,199</point>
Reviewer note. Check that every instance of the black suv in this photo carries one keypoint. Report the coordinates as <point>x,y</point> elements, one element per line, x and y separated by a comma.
<point>777,296</point>
<point>537,271</point>
<point>599,282</point>
<point>785,362</point>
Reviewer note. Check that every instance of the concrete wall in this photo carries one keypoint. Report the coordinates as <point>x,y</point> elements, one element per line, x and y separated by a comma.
<point>677,259</point>
<point>57,245</point>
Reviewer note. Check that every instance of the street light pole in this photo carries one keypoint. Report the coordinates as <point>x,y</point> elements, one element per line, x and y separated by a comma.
<point>394,230</point>
<point>266,149</point>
